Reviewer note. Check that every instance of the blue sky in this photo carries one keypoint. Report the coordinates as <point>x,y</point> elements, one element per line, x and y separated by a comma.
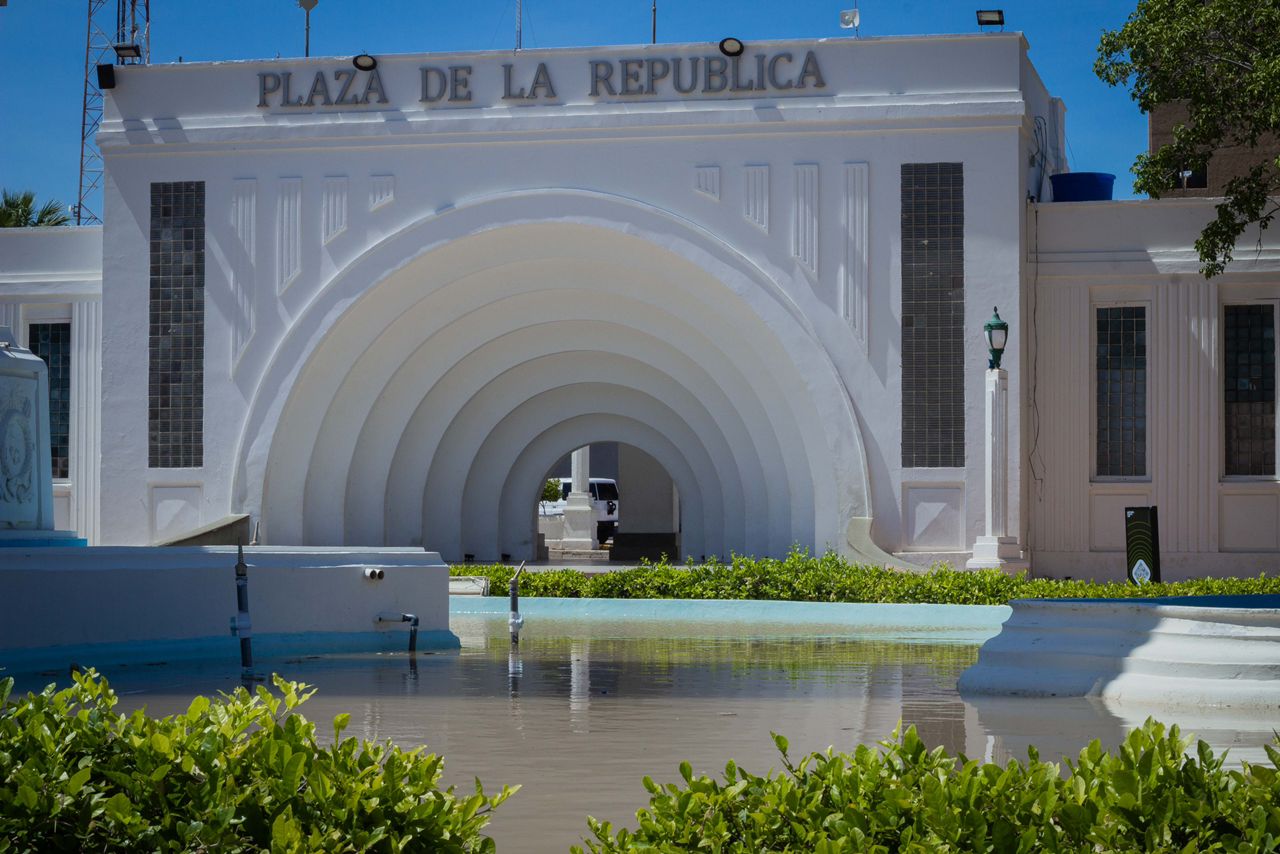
<point>40,96</point>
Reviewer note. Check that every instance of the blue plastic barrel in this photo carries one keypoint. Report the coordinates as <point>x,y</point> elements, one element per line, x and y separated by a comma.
<point>1082,186</point>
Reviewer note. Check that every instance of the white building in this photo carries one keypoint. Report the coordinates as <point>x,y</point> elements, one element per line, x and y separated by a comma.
<point>373,307</point>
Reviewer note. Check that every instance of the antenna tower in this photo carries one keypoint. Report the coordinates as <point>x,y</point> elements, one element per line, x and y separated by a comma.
<point>118,32</point>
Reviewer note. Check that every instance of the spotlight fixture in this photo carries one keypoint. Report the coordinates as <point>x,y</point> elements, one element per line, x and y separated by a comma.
<point>732,46</point>
<point>849,19</point>
<point>126,50</point>
<point>364,62</point>
<point>991,17</point>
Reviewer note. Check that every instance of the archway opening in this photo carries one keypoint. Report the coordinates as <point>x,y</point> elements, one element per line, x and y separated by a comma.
<point>635,504</point>
<point>425,394</point>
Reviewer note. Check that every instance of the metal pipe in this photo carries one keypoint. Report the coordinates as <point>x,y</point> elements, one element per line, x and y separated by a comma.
<point>241,626</point>
<point>515,622</point>
<point>411,619</point>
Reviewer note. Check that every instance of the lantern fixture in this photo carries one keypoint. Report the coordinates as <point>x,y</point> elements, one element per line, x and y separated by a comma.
<point>997,332</point>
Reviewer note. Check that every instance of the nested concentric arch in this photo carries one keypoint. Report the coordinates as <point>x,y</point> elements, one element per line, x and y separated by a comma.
<point>425,392</point>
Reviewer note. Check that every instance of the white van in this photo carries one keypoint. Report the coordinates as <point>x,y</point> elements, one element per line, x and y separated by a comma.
<point>604,498</point>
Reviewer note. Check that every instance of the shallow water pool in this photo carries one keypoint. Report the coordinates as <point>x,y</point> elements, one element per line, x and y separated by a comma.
<point>586,707</point>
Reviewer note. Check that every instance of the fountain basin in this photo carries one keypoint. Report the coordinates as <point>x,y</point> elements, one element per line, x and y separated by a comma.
<point>1191,651</point>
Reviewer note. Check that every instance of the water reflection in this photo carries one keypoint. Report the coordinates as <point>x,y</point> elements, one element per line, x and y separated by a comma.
<point>582,711</point>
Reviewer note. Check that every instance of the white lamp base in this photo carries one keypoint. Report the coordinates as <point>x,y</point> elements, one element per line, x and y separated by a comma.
<point>1002,553</point>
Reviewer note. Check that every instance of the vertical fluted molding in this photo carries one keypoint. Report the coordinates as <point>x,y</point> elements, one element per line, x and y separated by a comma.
<point>1212,456</point>
<point>333,204</point>
<point>86,433</point>
<point>11,316</point>
<point>804,229</point>
<point>1081,367</point>
<point>1190,451</point>
<point>382,190</point>
<point>1064,452</point>
<point>706,180</point>
<point>244,205</point>
<point>1185,435</point>
<point>1182,463</point>
<point>288,232</point>
<point>854,297</point>
<point>755,198</point>
<point>1160,360</point>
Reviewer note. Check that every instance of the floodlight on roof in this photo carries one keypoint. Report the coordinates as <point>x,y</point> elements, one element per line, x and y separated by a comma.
<point>991,17</point>
<point>849,19</point>
<point>732,47</point>
<point>127,50</point>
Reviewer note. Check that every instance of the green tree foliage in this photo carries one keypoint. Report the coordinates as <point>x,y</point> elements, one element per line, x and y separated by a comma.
<point>18,210</point>
<point>802,577</point>
<point>551,490</point>
<point>239,774</point>
<point>1149,795</point>
<point>1221,59</point>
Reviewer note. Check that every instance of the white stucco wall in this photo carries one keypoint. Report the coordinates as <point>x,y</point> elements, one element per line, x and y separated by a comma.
<point>54,275</point>
<point>79,597</point>
<point>1142,253</point>
<point>651,504</point>
<point>395,293</point>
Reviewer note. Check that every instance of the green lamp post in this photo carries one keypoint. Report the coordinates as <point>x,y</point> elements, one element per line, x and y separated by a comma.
<point>997,332</point>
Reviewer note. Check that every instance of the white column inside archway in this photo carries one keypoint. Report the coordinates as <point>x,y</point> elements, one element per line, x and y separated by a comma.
<point>428,405</point>
<point>516,521</point>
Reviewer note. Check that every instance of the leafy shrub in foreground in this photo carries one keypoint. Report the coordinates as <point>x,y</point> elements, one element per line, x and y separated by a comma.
<point>1147,796</point>
<point>244,773</point>
<point>830,578</point>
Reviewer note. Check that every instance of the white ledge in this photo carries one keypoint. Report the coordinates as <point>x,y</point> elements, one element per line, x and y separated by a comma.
<point>1216,651</point>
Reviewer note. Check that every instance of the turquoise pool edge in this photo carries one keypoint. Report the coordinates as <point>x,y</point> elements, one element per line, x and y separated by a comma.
<point>856,615</point>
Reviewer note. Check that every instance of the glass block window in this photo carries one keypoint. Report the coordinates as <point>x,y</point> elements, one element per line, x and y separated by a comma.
<point>933,333</point>
<point>176,334</point>
<point>52,342</point>
<point>1121,365</point>
<point>1250,371</point>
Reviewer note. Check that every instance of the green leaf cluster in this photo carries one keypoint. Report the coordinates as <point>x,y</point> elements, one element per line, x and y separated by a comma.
<point>18,210</point>
<point>1149,795</point>
<point>803,577</point>
<point>241,773</point>
<point>1220,61</point>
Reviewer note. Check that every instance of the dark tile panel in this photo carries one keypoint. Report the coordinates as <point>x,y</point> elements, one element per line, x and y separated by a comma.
<point>52,342</point>
<point>176,331</point>
<point>933,315</point>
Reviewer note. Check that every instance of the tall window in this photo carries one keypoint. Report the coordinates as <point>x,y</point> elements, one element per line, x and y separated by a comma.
<point>52,342</point>
<point>1121,366</point>
<point>1250,371</point>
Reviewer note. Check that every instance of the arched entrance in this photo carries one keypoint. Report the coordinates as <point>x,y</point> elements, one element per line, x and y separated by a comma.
<point>425,391</point>
<point>635,502</point>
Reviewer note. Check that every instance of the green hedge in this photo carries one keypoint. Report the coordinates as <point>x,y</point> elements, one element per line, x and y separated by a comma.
<point>243,773</point>
<point>1147,796</point>
<point>830,578</point>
